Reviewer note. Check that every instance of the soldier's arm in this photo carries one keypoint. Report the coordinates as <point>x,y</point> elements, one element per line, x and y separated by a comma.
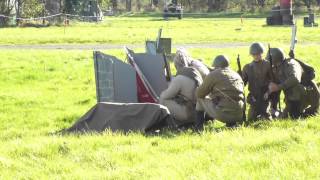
<point>293,72</point>
<point>269,73</point>
<point>206,86</point>
<point>173,89</point>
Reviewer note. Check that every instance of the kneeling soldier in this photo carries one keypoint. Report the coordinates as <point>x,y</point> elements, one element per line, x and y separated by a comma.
<point>301,95</point>
<point>180,95</point>
<point>221,95</point>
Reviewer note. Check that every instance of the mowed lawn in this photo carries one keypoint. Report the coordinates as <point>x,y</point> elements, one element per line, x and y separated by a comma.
<point>42,92</point>
<point>117,30</point>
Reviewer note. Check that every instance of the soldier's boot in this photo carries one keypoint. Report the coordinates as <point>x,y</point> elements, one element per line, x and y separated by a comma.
<point>207,117</point>
<point>199,121</point>
<point>295,109</point>
<point>310,112</point>
<point>232,125</point>
<point>275,113</point>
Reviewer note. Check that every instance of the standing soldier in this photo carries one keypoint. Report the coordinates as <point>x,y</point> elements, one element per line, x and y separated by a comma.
<point>221,95</point>
<point>257,75</point>
<point>301,93</point>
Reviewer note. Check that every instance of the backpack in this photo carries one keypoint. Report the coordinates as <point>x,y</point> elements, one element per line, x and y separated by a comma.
<point>308,73</point>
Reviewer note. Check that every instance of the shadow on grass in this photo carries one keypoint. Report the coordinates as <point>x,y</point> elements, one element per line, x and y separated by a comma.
<point>210,127</point>
<point>167,133</point>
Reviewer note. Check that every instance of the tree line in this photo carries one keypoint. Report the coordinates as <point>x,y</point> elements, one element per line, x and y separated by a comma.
<point>200,5</point>
<point>34,8</point>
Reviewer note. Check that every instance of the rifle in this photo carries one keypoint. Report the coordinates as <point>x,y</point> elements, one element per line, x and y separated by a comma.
<point>158,39</point>
<point>244,117</point>
<point>273,96</point>
<point>239,65</point>
<point>293,40</point>
<point>271,62</point>
<point>167,67</point>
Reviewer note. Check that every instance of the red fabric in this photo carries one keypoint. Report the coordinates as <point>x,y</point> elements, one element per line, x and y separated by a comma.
<point>144,96</point>
<point>285,3</point>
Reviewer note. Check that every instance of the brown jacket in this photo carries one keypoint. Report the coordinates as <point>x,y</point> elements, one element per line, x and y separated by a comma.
<point>225,88</point>
<point>258,76</point>
<point>222,83</point>
<point>289,74</point>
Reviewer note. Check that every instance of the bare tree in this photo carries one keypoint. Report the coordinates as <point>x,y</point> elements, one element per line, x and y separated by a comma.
<point>128,5</point>
<point>210,5</point>
<point>114,5</point>
<point>261,3</point>
<point>18,10</point>
<point>6,6</point>
<point>139,5</point>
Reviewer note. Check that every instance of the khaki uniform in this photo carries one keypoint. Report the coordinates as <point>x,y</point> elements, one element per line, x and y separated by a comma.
<point>289,74</point>
<point>180,95</point>
<point>221,96</point>
<point>257,75</point>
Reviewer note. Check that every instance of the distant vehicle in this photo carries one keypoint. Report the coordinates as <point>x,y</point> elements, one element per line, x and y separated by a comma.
<point>172,9</point>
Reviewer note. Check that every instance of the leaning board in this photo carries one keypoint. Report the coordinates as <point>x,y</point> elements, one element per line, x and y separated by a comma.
<point>115,80</point>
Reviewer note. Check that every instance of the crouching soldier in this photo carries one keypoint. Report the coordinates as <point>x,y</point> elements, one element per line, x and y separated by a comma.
<point>180,95</point>
<point>257,75</point>
<point>221,95</point>
<point>301,99</point>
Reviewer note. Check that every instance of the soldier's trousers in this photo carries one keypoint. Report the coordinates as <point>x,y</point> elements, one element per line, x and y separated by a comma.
<point>181,113</point>
<point>260,109</point>
<point>308,105</point>
<point>224,111</point>
<point>311,101</point>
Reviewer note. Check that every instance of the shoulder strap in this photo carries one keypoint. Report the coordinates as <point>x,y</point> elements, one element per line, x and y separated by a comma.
<point>192,74</point>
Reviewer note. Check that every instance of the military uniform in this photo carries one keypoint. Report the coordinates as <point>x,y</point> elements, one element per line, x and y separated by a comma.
<point>180,95</point>
<point>300,100</point>
<point>221,95</point>
<point>311,101</point>
<point>257,75</point>
<point>289,73</point>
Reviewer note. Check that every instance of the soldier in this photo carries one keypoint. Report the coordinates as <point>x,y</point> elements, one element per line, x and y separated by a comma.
<point>184,58</point>
<point>257,75</point>
<point>301,94</point>
<point>180,95</point>
<point>221,95</point>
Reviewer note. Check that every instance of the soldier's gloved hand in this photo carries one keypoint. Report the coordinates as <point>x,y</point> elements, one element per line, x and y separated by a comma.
<point>291,54</point>
<point>273,87</point>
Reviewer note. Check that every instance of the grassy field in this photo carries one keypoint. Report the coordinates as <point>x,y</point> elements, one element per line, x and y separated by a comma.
<point>137,30</point>
<point>44,91</point>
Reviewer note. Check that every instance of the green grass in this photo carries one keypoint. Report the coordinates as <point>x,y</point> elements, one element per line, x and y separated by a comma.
<point>136,30</point>
<point>42,92</point>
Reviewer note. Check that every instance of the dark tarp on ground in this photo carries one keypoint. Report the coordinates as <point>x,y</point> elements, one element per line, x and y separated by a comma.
<point>123,117</point>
